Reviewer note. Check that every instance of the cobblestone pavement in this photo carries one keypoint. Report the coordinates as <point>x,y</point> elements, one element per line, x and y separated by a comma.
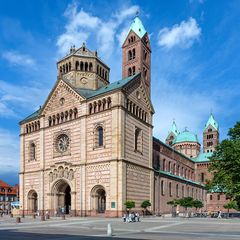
<point>96,228</point>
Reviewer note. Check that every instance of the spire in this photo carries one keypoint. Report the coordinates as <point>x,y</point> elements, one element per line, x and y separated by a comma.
<point>138,27</point>
<point>174,128</point>
<point>211,121</point>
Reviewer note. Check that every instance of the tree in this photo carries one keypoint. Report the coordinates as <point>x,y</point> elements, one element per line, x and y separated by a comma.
<point>186,202</point>
<point>145,204</point>
<point>230,205</point>
<point>197,204</point>
<point>174,204</point>
<point>129,205</point>
<point>225,165</point>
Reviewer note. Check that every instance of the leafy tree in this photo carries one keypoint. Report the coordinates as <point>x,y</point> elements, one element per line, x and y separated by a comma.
<point>129,205</point>
<point>186,202</point>
<point>174,204</point>
<point>145,204</point>
<point>230,205</point>
<point>197,204</point>
<point>225,165</point>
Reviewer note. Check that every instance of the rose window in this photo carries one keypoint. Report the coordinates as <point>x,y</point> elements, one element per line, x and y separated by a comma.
<point>62,143</point>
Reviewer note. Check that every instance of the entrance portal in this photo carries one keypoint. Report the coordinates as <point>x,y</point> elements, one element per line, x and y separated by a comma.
<point>33,201</point>
<point>98,196</point>
<point>62,197</point>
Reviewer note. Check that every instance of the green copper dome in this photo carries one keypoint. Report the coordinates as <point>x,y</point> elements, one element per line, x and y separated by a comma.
<point>185,136</point>
<point>138,27</point>
<point>211,121</point>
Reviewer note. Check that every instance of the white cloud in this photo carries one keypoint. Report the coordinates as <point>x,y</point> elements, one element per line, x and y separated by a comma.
<point>9,151</point>
<point>182,35</point>
<point>81,25</point>
<point>13,98</point>
<point>19,59</point>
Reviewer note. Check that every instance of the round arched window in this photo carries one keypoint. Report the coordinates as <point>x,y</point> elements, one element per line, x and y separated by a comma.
<point>62,143</point>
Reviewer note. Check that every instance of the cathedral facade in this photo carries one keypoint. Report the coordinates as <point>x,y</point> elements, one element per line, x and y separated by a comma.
<point>90,147</point>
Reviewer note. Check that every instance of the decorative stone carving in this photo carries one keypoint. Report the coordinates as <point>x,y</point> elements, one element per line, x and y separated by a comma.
<point>60,172</point>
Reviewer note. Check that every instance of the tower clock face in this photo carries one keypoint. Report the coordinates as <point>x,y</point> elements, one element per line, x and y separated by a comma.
<point>62,143</point>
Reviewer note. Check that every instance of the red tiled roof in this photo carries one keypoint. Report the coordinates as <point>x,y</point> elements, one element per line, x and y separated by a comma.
<point>14,190</point>
<point>3,184</point>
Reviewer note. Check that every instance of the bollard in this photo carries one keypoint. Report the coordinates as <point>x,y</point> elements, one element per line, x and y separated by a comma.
<point>18,219</point>
<point>34,216</point>
<point>11,215</point>
<point>63,217</point>
<point>109,230</point>
<point>47,216</point>
<point>42,218</point>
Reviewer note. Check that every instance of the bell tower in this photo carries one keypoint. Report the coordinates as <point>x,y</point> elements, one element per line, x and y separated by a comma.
<point>136,53</point>
<point>210,135</point>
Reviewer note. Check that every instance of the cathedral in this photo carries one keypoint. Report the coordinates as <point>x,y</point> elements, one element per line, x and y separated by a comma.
<point>90,147</point>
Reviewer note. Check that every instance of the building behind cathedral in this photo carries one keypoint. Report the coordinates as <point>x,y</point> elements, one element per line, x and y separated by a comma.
<point>90,147</point>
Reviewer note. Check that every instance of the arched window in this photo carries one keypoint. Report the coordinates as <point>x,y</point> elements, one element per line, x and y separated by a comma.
<point>81,66</point>
<point>75,112</point>
<point>129,55</point>
<point>27,129</point>
<point>62,116</point>
<point>100,136</point>
<point>162,188</point>
<point>70,67</point>
<point>70,114</point>
<point>164,165</point>
<point>133,53</point>
<point>183,194</point>
<point>103,104</point>
<point>32,152</point>
<point>77,65</point>
<point>105,75</point>
<point>99,105</point>
<point>90,67</point>
<point>109,102</point>
<point>138,140</point>
<point>169,167</point>
<point>129,72</point>
<point>97,69</point>
<point>58,118</point>
<point>66,115</point>
<point>133,70</point>
<point>90,108</point>
<point>100,71</point>
<point>177,191</point>
<point>53,120</point>
<point>170,189</point>
<point>131,38</point>
<point>86,66</point>
<point>60,69</point>
<point>66,67</point>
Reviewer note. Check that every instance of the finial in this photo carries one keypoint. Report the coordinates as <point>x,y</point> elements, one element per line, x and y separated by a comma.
<point>186,129</point>
<point>173,119</point>
<point>137,13</point>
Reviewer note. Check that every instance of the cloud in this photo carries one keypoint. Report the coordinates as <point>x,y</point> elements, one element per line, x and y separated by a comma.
<point>9,151</point>
<point>82,25</point>
<point>182,35</point>
<point>19,59</point>
<point>13,98</point>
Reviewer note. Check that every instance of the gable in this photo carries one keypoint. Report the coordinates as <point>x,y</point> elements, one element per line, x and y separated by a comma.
<point>62,96</point>
<point>130,34</point>
<point>136,92</point>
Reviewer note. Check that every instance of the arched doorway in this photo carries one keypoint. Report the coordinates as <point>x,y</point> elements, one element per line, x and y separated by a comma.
<point>33,201</point>
<point>98,195</point>
<point>62,197</point>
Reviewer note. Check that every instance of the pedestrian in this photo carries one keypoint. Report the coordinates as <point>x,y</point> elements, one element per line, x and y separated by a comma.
<point>219,214</point>
<point>138,217</point>
<point>124,217</point>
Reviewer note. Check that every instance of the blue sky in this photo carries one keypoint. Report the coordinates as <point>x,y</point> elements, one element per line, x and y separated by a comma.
<point>195,59</point>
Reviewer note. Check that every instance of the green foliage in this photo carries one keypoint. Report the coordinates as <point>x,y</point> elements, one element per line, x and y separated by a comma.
<point>225,165</point>
<point>129,204</point>
<point>186,202</point>
<point>230,205</point>
<point>197,204</point>
<point>145,204</point>
<point>174,202</point>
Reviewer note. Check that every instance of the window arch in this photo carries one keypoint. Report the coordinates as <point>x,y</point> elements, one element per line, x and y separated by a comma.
<point>90,67</point>
<point>32,152</point>
<point>133,70</point>
<point>162,188</point>
<point>129,72</point>
<point>77,65</point>
<point>81,66</point>
<point>138,140</point>
<point>177,190</point>
<point>129,55</point>
<point>133,53</point>
<point>75,112</point>
<point>170,189</point>
<point>86,66</point>
<point>99,136</point>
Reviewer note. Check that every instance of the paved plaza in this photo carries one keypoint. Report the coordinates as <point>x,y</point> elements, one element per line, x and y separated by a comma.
<point>96,228</point>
